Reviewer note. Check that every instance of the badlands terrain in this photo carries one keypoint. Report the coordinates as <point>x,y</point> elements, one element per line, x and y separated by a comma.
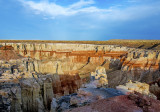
<point>80,76</point>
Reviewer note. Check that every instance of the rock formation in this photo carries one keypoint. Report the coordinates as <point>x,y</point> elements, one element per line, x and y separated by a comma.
<point>32,74</point>
<point>131,87</point>
<point>98,78</point>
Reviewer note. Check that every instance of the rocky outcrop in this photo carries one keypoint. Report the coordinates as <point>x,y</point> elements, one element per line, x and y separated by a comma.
<point>142,65</point>
<point>131,87</point>
<point>98,78</point>
<point>35,93</point>
<point>155,88</point>
<point>139,65</point>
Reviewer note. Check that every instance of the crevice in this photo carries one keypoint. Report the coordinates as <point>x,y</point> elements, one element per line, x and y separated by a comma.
<point>103,62</point>
<point>88,61</point>
<point>157,55</point>
<point>140,46</point>
<point>155,45</point>
<point>96,48</point>
<point>57,69</point>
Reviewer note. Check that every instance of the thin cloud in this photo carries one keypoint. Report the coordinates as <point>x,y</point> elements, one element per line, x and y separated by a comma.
<point>54,10</point>
<point>81,4</point>
<point>88,8</point>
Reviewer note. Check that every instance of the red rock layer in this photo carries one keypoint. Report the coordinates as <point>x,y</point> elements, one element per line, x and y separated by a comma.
<point>141,64</point>
<point>79,56</point>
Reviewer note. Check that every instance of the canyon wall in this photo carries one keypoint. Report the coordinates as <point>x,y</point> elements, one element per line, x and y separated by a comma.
<point>123,63</point>
<point>33,73</point>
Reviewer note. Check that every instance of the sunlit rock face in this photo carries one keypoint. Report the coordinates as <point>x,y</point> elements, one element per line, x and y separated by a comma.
<point>131,87</point>
<point>98,78</point>
<point>147,61</point>
<point>68,57</point>
<point>31,74</point>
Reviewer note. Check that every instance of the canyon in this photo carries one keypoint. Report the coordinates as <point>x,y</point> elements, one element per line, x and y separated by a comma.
<point>35,73</point>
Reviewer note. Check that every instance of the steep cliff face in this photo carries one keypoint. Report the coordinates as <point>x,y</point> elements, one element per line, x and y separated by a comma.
<point>128,63</point>
<point>33,73</point>
<point>42,51</point>
<point>64,58</point>
<point>139,65</point>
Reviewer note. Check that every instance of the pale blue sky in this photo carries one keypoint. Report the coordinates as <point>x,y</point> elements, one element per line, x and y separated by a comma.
<point>79,19</point>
